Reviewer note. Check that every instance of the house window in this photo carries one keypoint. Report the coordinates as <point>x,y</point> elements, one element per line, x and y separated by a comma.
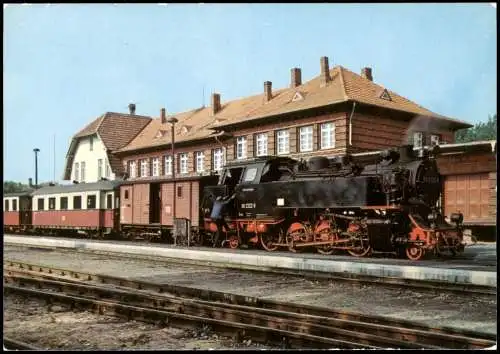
<point>41,203</point>
<point>77,171</point>
<point>99,168</point>
<point>6,207</point>
<point>200,161</point>
<point>108,170</point>
<point>435,139</point>
<point>168,165</point>
<point>83,171</point>
<point>241,147</point>
<point>14,204</point>
<point>77,202</point>
<point>64,203</point>
<point>132,167</point>
<point>52,203</point>
<point>144,168</point>
<point>91,143</point>
<point>156,166</point>
<point>183,163</point>
<point>109,201</point>
<point>218,159</point>
<point>418,139</point>
<point>283,142</point>
<point>261,140</point>
<point>91,202</point>
<point>327,136</point>
<point>306,138</point>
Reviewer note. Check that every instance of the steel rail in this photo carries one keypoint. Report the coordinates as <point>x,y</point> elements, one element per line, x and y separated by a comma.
<point>13,344</point>
<point>267,334</point>
<point>423,285</point>
<point>380,326</point>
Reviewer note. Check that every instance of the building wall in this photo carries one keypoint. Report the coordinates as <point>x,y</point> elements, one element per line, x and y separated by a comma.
<point>83,153</point>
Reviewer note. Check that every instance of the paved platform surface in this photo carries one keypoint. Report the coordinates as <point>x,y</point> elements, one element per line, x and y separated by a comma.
<point>476,267</point>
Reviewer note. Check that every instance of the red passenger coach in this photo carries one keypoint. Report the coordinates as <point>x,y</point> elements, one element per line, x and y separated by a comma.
<point>16,212</point>
<point>85,208</point>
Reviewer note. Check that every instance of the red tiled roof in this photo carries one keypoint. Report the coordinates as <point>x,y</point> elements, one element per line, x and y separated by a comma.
<point>115,130</point>
<point>344,86</point>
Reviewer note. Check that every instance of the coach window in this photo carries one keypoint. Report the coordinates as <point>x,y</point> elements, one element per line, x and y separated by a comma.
<point>109,201</point>
<point>64,203</point>
<point>126,194</point>
<point>91,202</point>
<point>41,203</point>
<point>6,205</point>
<point>14,204</point>
<point>179,191</point>
<point>52,203</point>
<point>77,202</point>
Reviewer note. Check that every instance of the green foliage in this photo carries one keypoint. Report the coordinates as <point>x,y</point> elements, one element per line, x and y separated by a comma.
<point>14,187</point>
<point>481,131</point>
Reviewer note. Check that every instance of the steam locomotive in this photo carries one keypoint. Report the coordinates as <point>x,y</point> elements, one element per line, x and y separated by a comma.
<point>382,202</point>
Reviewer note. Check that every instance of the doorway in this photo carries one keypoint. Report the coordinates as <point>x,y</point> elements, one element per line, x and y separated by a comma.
<point>154,203</point>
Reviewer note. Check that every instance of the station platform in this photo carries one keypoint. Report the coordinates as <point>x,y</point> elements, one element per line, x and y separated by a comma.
<point>477,266</point>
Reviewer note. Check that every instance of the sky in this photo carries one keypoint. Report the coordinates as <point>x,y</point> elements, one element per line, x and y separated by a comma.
<point>66,64</point>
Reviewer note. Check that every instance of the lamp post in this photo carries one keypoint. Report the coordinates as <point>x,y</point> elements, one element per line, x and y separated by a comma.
<point>172,121</point>
<point>36,150</point>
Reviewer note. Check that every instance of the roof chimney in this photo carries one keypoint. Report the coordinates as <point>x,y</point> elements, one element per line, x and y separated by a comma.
<point>268,91</point>
<point>131,108</point>
<point>325,71</point>
<point>30,182</point>
<point>296,77</point>
<point>215,104</point>
<point>367,73</point>
<point>163,116</point>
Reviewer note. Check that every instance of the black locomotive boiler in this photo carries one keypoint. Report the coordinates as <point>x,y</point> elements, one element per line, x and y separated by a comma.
<point>380,202</point>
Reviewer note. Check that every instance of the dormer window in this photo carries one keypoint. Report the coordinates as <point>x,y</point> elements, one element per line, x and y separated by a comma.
<point>160,134</point>
<point>185,129</point>
<point>385,95</point>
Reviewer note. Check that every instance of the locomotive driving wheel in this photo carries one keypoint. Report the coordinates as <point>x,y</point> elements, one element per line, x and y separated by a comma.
<point>296,232</point>
<point>414,252</point>
<point>267,240</point>
<point>362,241</point>
<point>233,241</point>
<point>327,249</point>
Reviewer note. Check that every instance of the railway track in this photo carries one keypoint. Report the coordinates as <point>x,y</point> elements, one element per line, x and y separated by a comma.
<point>291,325</point>
<point>13,344</point>
<point>423,285</point>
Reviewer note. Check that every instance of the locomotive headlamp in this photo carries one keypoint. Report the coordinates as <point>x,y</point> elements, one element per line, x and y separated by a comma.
<point>457,218</point>
<point>431,217</point>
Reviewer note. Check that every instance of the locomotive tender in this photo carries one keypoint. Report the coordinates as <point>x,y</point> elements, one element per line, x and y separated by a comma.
<point>386,204</point>
<point>377,202</point>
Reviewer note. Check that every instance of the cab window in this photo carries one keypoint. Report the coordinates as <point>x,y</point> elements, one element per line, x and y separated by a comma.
<point>250,174</point>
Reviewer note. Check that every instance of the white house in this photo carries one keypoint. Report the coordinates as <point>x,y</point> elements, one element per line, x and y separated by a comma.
<point>90,154</point>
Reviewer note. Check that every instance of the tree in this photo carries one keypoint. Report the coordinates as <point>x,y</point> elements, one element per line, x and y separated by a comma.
<point>15,187</point>
<point>480,131</point>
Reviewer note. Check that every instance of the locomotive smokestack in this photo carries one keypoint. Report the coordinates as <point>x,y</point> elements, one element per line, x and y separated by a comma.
<point>406,153</point>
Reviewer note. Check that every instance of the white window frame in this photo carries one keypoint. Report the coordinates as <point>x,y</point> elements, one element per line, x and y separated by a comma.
<point>133,169</point>
<point>77,171</point>
<point>99,168</point>
<point>283,142</point>
<point>261,142</point>
<point>82,171</point>
<point>108,169</point>
<point>144,168</point>
<point>156,167</point>
<point>183,163</point>
<point>200,161</point>
<point>328,135</point>
<point>241,147</point>
<point>306,144</point>
<point>435,138</point>
<point>418,139</point>
<point>218,159</point>
<point>168,165</point>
